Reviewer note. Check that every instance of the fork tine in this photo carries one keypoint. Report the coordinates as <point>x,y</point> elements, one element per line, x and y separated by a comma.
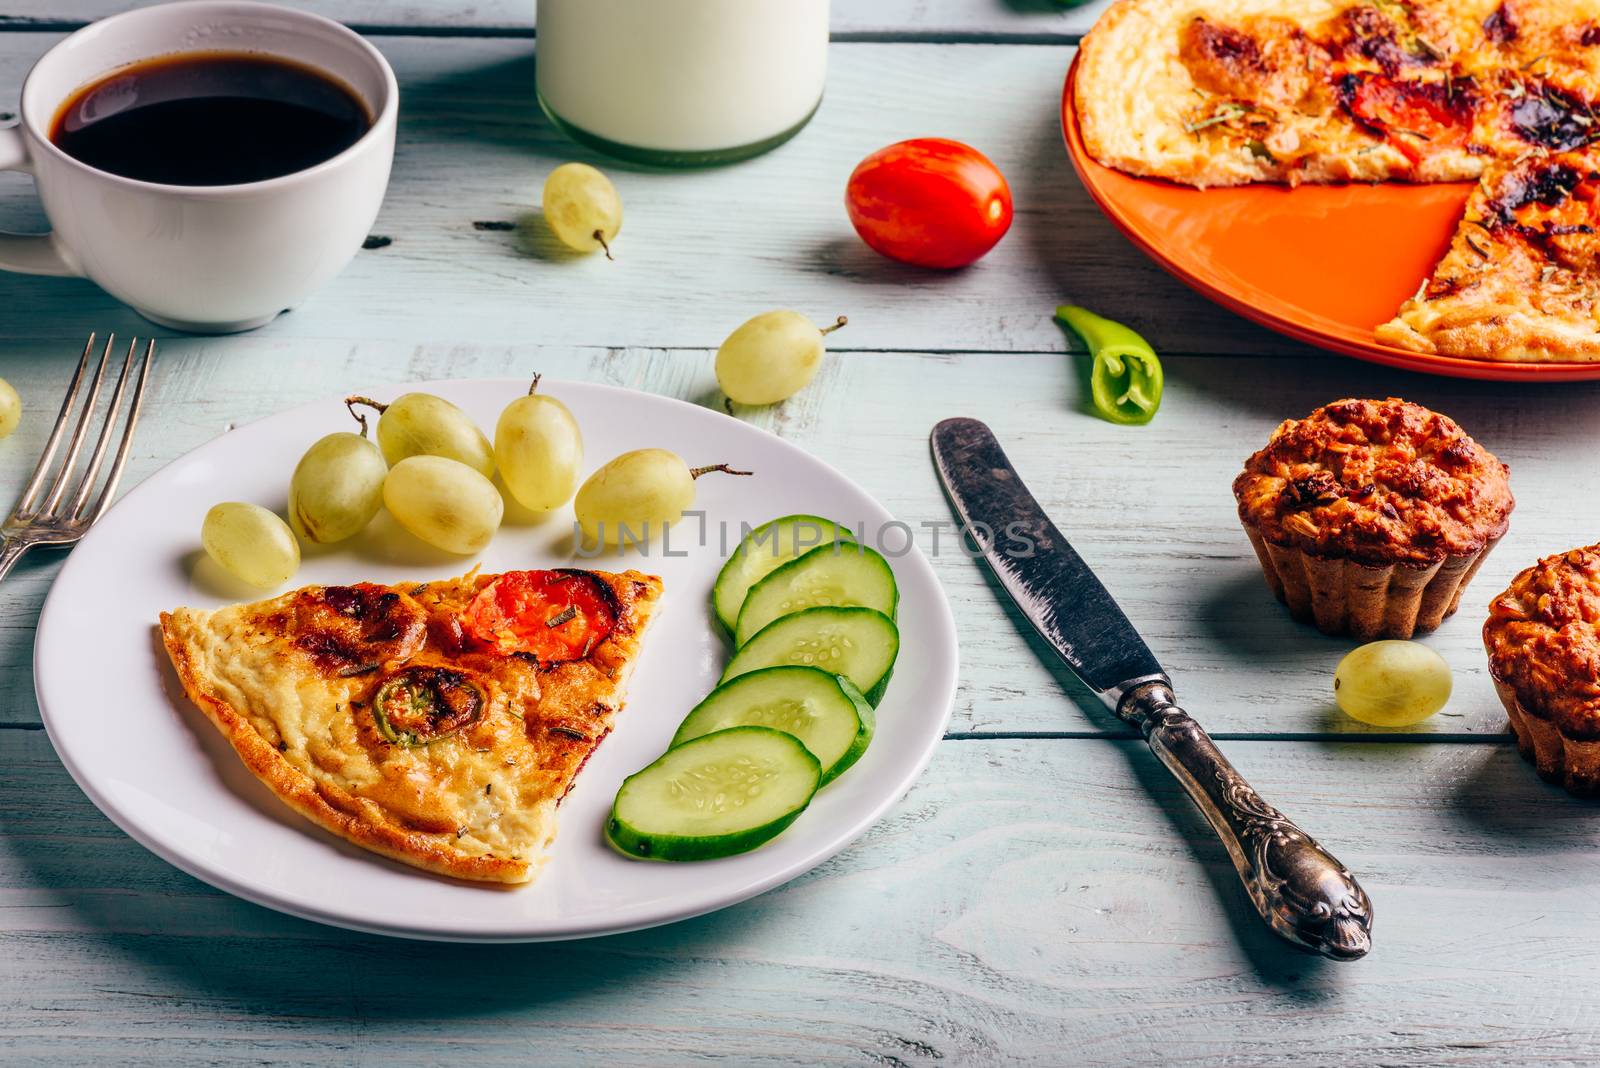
<point>123,449</point>
<point>79,434</point>
<point>80,500</point>
<point>25,502</point>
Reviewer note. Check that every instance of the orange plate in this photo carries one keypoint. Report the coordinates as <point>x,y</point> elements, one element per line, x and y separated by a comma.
<point>1322,264</point>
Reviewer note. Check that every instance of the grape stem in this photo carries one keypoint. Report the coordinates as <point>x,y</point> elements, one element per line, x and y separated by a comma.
<point>533,387</point>
<point>830,329</point>
<point>599,235</point>
<point>696,472</point>
<point>350,406</point>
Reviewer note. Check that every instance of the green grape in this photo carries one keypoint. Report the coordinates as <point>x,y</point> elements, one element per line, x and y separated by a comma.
<point>444,502</point>
<point>771,357</point>
<point>337,488</point>
<point>10,409</point>
<point>638,495</point>
<point>1391,683</point>
<point>582,207</point>
<point>420,424</point>
<point>250,543</point>
<point>538,449</point>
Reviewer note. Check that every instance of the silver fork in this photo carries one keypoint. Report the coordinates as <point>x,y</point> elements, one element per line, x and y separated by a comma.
<point>60,510</point>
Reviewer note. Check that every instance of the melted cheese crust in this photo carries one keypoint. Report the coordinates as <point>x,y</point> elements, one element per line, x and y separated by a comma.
<point>1150,97</point>
<point>290,682</point>
<point>1521,279</point>
<point>1229,92</point>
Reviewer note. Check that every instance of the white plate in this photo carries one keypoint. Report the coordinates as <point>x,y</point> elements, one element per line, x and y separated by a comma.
<point>157,767</point>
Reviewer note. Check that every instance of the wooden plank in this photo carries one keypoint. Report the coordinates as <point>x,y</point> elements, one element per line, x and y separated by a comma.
<point>882,19</point>
<point>1043,902</point>
<point>701,252</point>
<point>964,20</point>
<point>1149,507</point>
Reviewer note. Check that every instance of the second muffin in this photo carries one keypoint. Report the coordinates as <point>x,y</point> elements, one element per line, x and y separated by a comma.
<point>1370,517</point>
<point>1543,640</point>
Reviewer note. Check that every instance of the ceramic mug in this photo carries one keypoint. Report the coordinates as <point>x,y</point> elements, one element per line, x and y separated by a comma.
<point>206,259</point>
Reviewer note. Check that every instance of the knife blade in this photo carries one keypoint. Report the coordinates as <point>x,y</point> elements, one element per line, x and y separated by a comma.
<point>1302,893</point>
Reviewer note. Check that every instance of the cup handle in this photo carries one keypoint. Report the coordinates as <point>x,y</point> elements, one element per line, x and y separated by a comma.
<point>30,253</point>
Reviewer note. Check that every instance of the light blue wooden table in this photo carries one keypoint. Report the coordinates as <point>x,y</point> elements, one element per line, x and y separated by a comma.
<point>1043,894</point>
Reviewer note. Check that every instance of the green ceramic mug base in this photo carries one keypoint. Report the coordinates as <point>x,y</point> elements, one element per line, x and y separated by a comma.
<point>656,157</point>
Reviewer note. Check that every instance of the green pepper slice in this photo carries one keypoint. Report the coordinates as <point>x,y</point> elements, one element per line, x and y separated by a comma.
<point>1126,381</point>
<point>423,704</point>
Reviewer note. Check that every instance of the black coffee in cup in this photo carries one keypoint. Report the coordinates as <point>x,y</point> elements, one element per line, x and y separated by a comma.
<point>209,118</point>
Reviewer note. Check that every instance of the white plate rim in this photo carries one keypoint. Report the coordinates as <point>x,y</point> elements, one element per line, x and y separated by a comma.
<point>947,667</point>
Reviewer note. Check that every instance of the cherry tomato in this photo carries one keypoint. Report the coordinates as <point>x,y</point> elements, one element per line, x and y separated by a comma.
<point>932,202</point>
<point>553,615</point>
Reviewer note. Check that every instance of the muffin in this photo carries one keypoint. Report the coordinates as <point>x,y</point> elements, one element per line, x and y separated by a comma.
<point>1543,640</point>
<point>1370,517</point>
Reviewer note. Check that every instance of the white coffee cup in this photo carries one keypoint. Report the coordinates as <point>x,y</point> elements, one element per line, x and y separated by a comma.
<point>207,259</point>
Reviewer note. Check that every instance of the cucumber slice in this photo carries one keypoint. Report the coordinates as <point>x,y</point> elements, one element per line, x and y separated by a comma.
<point>826,712</point>
<point>714,796</point>
<point>858,643</point>
<point>835,574</point>
<point>764,550</point>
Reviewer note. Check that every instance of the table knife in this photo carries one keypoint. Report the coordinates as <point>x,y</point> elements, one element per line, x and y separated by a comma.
<point>1300,890</point>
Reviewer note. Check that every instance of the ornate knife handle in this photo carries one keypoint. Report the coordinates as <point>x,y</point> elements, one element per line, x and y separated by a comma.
<point>1302,892</point>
